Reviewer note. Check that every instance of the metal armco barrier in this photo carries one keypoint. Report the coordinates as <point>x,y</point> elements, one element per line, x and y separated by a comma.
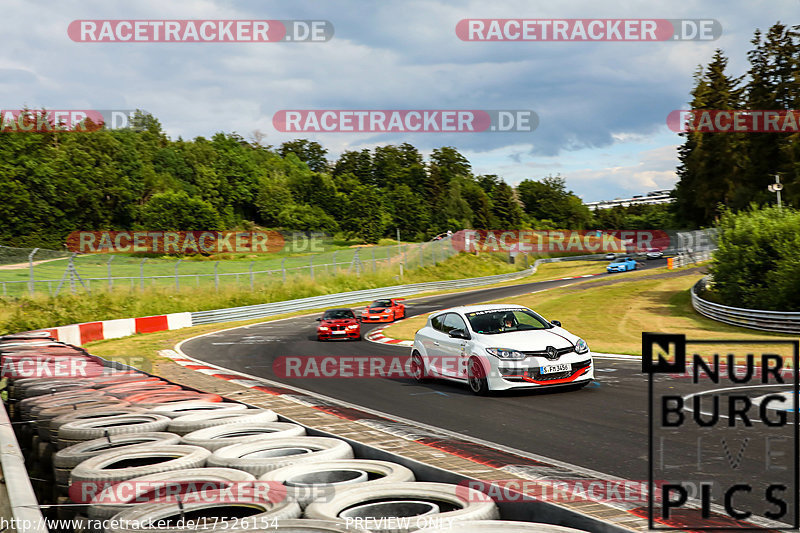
<point>345,298</point>
<point>776,321</point>
<point>24,505</point>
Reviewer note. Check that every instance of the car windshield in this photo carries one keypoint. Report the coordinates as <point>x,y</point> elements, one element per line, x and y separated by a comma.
<point>381,303</point>
<point>336,314</point>
<point>620,260</point>
<point>505,321</point>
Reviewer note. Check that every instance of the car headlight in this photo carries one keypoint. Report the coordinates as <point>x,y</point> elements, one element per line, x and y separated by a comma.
<point>324,328</point>
<point>581,346</point>
<point>352,326</point>
<point>505,353</point>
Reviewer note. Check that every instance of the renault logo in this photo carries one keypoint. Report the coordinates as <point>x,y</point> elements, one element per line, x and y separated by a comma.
<point>552,353</point>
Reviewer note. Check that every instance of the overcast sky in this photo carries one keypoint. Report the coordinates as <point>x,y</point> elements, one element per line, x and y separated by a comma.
<point>602,105</point>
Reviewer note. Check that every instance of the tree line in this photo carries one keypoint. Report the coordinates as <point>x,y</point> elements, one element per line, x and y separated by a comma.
<point>54,183</point>
<point>730,170</point>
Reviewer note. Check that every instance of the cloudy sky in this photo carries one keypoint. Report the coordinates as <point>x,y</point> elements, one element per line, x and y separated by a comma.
<point>602,106</point>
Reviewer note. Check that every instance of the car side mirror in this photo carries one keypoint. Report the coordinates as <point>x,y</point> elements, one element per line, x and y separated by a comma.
<point>319,319</point>
<point>556,323</point>
<point>459,334</point>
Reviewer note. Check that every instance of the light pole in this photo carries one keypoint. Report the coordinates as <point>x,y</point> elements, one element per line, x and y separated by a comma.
<point>776,187</point>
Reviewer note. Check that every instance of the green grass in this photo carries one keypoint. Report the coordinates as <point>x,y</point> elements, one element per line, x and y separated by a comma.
<point>25,313</point>
<point>198,270</point>
<point>611,314</point>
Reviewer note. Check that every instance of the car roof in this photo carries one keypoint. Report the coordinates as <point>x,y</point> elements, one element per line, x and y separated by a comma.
<point>471,308</point>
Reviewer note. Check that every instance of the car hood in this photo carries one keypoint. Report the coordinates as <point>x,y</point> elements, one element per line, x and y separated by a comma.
<point>375,310</point>
<point>530,340</point>
<point>339,322</point>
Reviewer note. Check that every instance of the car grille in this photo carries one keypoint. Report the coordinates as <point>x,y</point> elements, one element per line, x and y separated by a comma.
<point>337,328</point>
<point>543,353</point>
<point>533,373</point>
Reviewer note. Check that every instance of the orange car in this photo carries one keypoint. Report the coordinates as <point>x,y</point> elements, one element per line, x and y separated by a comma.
<point>384,310</point>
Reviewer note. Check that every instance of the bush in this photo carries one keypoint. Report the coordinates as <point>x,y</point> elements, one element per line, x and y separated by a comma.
<point>757,265</point>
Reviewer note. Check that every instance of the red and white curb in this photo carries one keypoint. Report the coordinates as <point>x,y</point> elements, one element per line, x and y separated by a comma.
<point>376,335</point>
<point>79,334</point>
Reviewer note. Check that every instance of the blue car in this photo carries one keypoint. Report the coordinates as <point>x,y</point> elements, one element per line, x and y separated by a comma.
<point>622,264</point>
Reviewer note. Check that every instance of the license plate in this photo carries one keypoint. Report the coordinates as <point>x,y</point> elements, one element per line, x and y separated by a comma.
<point>552,369</point>
<point>338,332</point>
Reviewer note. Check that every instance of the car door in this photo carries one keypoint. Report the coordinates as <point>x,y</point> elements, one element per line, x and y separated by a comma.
<point>454,358</point>
<point>433,344</point>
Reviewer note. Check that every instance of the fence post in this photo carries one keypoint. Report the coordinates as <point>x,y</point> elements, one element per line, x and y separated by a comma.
<point>216,276</point>
<point>251,274</point>
<point>177,280</point>
<point>108,269</point>
<point>334,262</point>
<point>32,277</point>
<point>311,265</point>
<point>283,268</point>
<point>141,274</point>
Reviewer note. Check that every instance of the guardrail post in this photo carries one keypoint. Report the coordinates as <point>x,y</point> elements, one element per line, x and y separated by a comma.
<point>283,268</point>
<point>216,276</point>
<point>251,274</point>
<point>108,270</point>
<point>141,274</point>
<point>32,277</point>
<point>177,280</point>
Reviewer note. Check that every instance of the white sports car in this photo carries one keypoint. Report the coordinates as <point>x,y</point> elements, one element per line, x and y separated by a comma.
<point>499,347</point>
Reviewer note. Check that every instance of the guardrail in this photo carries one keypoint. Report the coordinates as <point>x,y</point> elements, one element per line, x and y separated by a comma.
<point>687,258</point>
<point>347,298</point>
<point>775,321</point>
<point>24,505</point>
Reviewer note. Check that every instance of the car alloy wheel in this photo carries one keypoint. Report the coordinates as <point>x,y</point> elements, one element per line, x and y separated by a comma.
<point>477,378</point>
<point>417,367</point>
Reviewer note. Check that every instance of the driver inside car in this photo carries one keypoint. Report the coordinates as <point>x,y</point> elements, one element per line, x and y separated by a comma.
<point>509,322</point>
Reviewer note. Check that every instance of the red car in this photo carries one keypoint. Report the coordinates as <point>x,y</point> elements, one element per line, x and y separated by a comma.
<point>338,324</point>
<point>384,310</point>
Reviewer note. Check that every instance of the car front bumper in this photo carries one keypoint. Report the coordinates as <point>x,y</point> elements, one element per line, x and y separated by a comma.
<point>331,335</point>
<point>527,373</point>
<point>376,318</point>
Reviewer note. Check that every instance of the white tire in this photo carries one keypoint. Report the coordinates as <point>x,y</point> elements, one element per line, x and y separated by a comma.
<point>423,498</point>
<point>95,428</point>
<point>260,511</point>
<point>69,458</point>
<point>95,473</point>
<point>308,481</point>
<point>89,414</point>
<point>498,526</point>
<point>258,458</point>
<point>214,438</point>
<point>135,491</point>
<point>178,409</point>
<point>188,423</point>
<point>45,416</point>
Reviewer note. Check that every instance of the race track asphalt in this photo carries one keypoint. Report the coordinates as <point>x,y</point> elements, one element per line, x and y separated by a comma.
<point>603,427</point>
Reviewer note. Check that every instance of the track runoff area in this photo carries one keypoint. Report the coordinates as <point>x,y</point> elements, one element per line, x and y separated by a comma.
<point>719,442</point>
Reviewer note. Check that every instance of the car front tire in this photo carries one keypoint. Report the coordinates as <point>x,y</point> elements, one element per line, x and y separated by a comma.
<point>476,378</point>
<point>418,368</point>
